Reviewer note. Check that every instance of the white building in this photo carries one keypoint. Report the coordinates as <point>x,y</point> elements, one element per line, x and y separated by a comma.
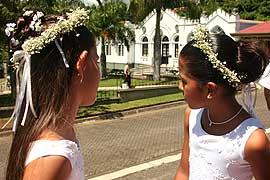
<point>176,32</point>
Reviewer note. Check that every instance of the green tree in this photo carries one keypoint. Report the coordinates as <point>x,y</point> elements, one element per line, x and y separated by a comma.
<point>141,8</point>
<point>108,21</point>
<point>248,9</point>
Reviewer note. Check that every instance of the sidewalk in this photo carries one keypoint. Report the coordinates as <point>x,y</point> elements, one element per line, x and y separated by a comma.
<point>114,115</point>
<point>131,141</point>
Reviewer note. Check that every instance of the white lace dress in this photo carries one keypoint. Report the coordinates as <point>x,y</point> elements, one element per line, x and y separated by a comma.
<point>219,157</point>
<point>65,148</point>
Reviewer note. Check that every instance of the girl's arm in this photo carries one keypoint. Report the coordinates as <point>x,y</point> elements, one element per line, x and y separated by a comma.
<point>48,168</point>
<point>257,153</point>
<point>183,169</point>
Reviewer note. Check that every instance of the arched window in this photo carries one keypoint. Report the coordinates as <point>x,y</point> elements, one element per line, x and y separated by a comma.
<point>120,49</point>
<point>165,46</point>
<point>176,47</point>
<point>108,48</point>
<point>145,46</point>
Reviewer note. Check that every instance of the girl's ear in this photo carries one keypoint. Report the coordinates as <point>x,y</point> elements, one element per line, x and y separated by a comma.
<point>212,90</point>
<point>81,62</point>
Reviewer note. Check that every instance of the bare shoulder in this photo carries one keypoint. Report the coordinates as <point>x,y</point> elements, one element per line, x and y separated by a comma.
<point>257,146</point>
<point>257,153</point>
<point>187,113</point>
<point>256,143</point>
<point>48,168</point>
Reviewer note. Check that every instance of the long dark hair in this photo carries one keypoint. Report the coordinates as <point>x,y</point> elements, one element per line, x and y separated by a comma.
<point>246,59</point>
<point>50,88</point>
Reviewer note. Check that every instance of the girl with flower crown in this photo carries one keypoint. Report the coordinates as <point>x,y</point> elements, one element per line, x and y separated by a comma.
<point>58,60</point>
<point>222,139</point>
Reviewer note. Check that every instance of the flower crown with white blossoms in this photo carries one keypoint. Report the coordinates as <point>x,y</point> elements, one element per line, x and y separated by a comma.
<point>33,45</point>
<point>202,41</point>
<point>76,18</point>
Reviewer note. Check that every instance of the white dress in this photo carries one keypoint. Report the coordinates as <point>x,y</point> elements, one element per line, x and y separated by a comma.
<point>214,157</point>
<point>65,148</point>
<point>265,79</point>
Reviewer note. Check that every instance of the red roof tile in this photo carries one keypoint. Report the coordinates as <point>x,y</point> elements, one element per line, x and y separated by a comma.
<point>259,28</point>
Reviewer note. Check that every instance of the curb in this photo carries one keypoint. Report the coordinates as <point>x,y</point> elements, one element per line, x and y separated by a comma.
<point>116,114</point>
<point>132,111</point>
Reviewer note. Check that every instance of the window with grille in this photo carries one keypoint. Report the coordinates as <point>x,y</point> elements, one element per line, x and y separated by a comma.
<point>176,47</point>
<point>165,46</point>
<point>145,46</point>
<point>120,50</point>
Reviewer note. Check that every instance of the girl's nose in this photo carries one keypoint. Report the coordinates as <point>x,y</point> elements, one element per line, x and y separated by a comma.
<point>180,86</point>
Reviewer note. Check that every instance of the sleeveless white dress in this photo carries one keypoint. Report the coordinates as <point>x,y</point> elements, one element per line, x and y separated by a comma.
<point>214,157</point>
<point>65,148</point>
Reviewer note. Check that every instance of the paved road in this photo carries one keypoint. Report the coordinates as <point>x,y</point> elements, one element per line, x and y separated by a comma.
<point>112,145</point>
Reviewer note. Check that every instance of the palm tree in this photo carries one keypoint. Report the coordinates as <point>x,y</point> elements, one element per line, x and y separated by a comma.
<point>108,21</point>
<point>141,8</point>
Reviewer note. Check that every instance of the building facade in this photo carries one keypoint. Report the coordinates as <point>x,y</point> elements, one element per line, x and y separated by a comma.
<point>176,31</point>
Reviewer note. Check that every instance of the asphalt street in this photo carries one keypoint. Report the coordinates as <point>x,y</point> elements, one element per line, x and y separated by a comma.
<point>137,146</point>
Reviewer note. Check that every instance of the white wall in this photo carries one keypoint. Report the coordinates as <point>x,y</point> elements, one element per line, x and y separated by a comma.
<point>171,26</point>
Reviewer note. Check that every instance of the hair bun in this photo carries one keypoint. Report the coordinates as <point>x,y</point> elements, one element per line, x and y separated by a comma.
<point>251,61</point>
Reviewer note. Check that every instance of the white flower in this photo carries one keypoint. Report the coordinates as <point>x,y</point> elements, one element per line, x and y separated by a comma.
<point>27,13</point>
<point>10,27</point>
<point>75,19</point>
<point>38,26</point>
<point>35,17</point>
<point>32,25</point>
<point>14,42</point>
<point>39,14</point>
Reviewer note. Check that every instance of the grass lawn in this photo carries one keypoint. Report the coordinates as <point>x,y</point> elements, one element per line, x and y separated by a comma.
<point>134,82</point>
<point>6,100</point>
<point>113,107</point>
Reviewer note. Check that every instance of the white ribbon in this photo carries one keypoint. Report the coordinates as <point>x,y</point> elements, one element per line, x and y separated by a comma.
<point>62,53</point>
<point>248,102</point>
<point>24,90</point>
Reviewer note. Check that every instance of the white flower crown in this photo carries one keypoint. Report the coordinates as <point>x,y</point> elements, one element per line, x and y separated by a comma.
<point>76,18</point>
<point>33,45</point>
<point>202,41</point>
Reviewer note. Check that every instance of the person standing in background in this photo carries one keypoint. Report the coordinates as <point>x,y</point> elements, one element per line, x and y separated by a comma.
<point>127,77</point>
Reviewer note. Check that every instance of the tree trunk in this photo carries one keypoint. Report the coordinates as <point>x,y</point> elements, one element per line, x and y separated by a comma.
<point>157,47</point>
<point>99,3</point>
<point>103,59</point>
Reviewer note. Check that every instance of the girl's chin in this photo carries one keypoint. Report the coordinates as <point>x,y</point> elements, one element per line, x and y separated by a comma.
<point>192,106</point>
<point>89,103</point>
